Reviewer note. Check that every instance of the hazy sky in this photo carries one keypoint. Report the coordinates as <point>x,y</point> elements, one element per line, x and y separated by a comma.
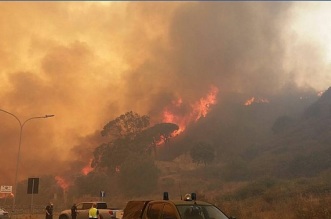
<point>89,62</point>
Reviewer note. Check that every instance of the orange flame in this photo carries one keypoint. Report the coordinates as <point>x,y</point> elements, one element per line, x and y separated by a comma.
<point>170,117</point>
<point>162,140</point>
<point>62,183</point>
<point>201,108</point>
<point>87,168</point>
<point>198,109</point>
<point>255,100</point>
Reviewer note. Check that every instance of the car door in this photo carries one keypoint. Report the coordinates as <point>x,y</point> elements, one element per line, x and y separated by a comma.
<point>82,210</point>
<point>153,210</point>
<point>169,212</point>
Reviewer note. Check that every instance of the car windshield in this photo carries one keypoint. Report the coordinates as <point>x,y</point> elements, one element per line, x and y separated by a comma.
<point>200,212</point>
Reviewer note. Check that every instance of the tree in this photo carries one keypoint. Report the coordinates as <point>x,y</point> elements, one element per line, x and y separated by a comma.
<point>122,130</point>
<point>158,133</point>
<point>130,132</point>
<point>202,152</point>
<point>125,158</point>
<point>126,125</point>
<point>163,131</point>
<point>108,156</point>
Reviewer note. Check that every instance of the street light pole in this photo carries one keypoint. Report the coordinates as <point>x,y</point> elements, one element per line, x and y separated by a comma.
<point>19,147</point>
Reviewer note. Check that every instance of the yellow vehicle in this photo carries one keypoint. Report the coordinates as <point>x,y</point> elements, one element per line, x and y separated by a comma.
<point>189,208</point>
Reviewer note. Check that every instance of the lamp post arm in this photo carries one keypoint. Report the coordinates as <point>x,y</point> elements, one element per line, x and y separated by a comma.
<point>19,121</point>
<point>19,147</point>
<point>36,117</point>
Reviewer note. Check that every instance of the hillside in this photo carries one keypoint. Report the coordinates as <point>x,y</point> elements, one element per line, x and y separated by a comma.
<point>271,160</point>
<point>263,169</point>
<point>303,147</point>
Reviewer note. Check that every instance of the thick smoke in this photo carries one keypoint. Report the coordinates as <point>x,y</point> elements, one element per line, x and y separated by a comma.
<point>88,62</point>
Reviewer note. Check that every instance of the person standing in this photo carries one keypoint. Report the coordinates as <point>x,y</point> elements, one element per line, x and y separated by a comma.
<point>49,211</point>
<point>93,213</point>
<point>74,211</point>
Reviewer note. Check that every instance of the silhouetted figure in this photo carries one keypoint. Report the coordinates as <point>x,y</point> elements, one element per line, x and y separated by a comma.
<point>74,211</point>
<point>49,211</point>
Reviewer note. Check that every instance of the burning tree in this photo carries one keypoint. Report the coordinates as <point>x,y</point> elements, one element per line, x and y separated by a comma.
<point>129,150</point>
<point>129,133</point>
<point>127,125</point>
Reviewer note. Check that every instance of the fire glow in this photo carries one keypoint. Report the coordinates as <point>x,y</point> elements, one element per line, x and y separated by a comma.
<point>255,100</point>
<point>62,183</point>
<point>87,169</point>
<point>198,109</point>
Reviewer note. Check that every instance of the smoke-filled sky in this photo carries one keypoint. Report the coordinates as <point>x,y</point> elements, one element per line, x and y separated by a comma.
<point>89,62</point>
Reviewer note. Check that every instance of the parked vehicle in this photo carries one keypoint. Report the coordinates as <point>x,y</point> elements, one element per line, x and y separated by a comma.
<point>4,214</point>
<point>189,208</point>
<point>104,211</point>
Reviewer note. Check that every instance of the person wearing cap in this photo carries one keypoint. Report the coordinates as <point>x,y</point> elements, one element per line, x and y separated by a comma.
<point>49,211</point>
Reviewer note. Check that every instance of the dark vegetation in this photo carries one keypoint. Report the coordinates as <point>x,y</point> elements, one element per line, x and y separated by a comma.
<point>265,162</point>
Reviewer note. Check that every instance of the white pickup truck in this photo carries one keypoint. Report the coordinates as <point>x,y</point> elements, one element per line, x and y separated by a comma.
<point>104,211</point>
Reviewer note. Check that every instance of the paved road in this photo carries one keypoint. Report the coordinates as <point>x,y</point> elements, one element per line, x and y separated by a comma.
<point>32,216</point>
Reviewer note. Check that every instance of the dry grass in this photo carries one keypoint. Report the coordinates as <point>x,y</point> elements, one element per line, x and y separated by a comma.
<point>289,208</point>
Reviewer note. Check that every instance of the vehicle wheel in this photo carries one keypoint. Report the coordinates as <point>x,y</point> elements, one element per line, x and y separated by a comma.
<point>62,216</point>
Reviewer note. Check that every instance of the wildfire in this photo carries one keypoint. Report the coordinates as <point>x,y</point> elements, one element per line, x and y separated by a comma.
<point>255,100</point>
<point>87,168</point>
<point>201,108</point>
<point>170,117</point>
<point>198,109</point>
<point>62,183</point>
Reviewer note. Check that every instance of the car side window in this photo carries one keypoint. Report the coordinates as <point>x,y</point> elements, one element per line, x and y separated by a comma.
<point>79,206</point>
<point>87,206</point>
<point>169,212</point>
<point>154,210</point>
